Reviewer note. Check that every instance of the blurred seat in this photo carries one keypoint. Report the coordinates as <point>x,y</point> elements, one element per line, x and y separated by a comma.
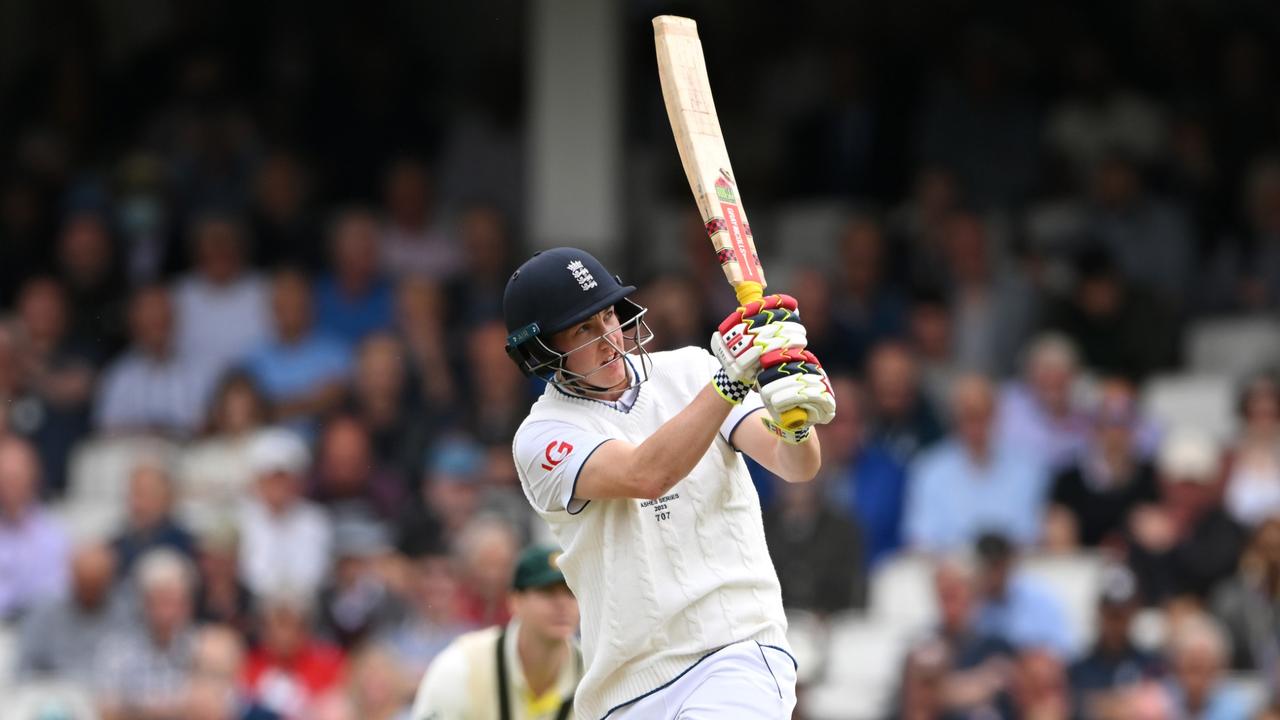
<point>213,478</point>
<point>1253,686</point>
<point>1200,402</point>
<point>99,479</point>
<point>1075,580</point>
<point>1237,347</point>
<point>863,667</point>
<point>807,636</point>
<point>47,701</point>
<point>1149,629</point>
<point>902,593</point>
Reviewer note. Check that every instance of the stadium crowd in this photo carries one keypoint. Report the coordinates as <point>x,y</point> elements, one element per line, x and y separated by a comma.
<point>255,411</point>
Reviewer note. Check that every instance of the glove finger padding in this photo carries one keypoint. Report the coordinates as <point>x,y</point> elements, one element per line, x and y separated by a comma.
<point>743,339</point>
<point>794,379</point>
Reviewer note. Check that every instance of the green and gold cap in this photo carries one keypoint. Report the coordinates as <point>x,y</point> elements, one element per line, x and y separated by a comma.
<point>538,566</point>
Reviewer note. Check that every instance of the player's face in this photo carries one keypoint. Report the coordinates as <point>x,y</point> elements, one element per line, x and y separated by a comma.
<point>594,349</point>
<point>551,612</point>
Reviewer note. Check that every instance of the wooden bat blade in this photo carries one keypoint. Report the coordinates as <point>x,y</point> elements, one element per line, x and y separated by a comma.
<point>696,126</point>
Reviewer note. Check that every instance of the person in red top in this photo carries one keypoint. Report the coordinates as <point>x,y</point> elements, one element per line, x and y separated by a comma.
<point>291,668</point>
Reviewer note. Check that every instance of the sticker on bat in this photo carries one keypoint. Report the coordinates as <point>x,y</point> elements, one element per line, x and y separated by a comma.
<point>715,225</point>
<point>725,256</point>
<point>724,188</point>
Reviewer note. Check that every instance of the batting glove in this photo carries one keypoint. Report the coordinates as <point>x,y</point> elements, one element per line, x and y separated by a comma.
<point>765,325</point>
<point>795,379</point>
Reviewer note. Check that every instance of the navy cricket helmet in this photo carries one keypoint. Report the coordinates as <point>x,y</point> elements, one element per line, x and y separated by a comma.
<point>555,290</point>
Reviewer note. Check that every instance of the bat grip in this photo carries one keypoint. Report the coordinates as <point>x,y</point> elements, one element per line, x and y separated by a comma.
<point>750,291</point>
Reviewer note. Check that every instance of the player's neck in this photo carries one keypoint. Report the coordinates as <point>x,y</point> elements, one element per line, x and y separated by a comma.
<point>541,659</point>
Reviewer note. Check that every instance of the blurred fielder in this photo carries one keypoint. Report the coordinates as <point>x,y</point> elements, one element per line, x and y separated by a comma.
<point>633,459</point>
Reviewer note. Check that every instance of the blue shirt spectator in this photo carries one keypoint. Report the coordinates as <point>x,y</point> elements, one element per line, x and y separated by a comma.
<point>971,484</point>
<point>876,485</point>
<point>1015,607</point>
<point>354,300</point>
<point>302,372</point>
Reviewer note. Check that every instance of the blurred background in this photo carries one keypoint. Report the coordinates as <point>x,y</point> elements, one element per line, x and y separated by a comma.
<point>256,414</point>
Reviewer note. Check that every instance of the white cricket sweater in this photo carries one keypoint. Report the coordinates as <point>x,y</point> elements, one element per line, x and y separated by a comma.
<point>662,584</point>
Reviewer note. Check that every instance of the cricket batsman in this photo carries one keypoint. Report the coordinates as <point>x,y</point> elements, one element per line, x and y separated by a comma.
<point>634,459</point>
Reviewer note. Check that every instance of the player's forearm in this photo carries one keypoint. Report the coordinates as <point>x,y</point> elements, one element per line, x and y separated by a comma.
<point>798,463</point>
<point>670,454</point>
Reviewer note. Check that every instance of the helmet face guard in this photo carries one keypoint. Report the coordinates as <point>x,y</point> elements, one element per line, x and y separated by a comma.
<point>531,350</point>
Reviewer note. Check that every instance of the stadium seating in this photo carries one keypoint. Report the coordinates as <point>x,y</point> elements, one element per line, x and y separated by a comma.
<point>1237,347</point>
<point>99,480</point>
<point>1200,402</point>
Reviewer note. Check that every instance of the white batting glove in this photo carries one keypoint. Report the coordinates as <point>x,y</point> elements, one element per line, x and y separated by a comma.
<point>769,324</point>
<point>795,379</point>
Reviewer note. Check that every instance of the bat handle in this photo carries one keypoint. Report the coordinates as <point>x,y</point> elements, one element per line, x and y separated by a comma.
<point>750,291</point>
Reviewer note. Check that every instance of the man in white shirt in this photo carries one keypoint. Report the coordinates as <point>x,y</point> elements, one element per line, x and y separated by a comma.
<point>285,539</point>
<point>153,387</point>
<point>222,309</point>
<point>634,460</point>
<point>527,669</point>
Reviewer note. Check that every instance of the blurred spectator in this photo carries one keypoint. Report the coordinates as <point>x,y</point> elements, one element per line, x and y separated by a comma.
<point>420,322</point>
<point>284,232</point>
<point>819,552</point>
<point>486,553</point>
<point>1247,602</point>
<point>1197,689</point>
<point>412,241</point>
<point>1253,472</point>
<point>870,307</point>
<point>1097,115</point>
<point>291,668</point>
<point>215,690</point>
<point>301,370</point>
<point>1247,272</point>
<point>149,523</point>
<point>353,299</point>
<point>1040,412</point>
<point>975,120</point>
<point>89,269</point>
<point>142,670</point>
<point>901,417</point>
<point>214,474</point>
<point>284,539</point>
<point>433,619</point>
<point>448,496</point>
<point>59,638</point>
<point>959,673</point>
<point>669,299</point>
<point>475,290</point>
<point>347,479</point>
<point>356,602</point>
<point>499,396</point>
<point>827,334</point>
<point>1016,607</point>
<point>383,401</point>
<point>1150,238</point>
<point>221,306</point>
<point>33,546</point>
<point>1187,543</point>
<point>1094,498</point>
<point>376,686</point>
<point>1120,330</point>
<point>972,483</point>
<point>221,597</point>
<point>862,476</point>
<point>993,305</point>
<point>917,227</point>
<point>152,387</point>
<point>1040,688</point>
<point>144,217</point>
<point>57,372</point>
<point>929,335</point>
<point>1100,678</point>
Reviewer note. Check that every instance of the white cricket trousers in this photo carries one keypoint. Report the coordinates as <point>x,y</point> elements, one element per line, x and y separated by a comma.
<point>744,681</point>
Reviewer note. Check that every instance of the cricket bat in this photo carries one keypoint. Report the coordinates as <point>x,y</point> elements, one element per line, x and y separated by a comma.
<point>687,92</point>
